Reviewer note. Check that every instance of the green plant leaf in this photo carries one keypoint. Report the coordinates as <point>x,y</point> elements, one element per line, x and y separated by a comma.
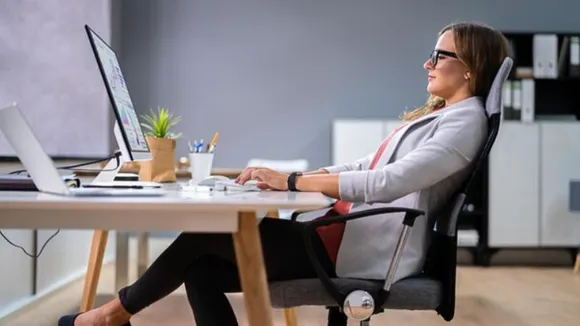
<point>159,124</point>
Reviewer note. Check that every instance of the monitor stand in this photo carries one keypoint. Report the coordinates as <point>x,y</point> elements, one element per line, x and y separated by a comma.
<point>109,172</point>
<point>110,175</point>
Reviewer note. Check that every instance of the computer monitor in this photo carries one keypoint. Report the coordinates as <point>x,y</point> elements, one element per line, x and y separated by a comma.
<point>128,132</point>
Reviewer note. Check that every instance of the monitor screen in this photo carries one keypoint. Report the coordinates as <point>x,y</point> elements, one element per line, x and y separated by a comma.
<point>119,94</point>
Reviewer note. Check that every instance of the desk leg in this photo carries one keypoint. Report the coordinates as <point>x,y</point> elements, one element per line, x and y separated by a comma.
<point>142,253</point>
<point>289,313</point>
<point>577,265</point>
<point>94,269</point>
<point>122,260</point>
<point>252,271</point>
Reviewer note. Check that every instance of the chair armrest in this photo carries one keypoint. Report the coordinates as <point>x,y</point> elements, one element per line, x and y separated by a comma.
<point>296,213</point>
<point>331,288</point>
<point>410,216</point>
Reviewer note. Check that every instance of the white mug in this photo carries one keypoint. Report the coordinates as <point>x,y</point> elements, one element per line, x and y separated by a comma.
<point>200,165</point>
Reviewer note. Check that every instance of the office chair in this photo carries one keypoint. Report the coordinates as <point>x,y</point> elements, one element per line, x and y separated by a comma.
<point>432,289</point>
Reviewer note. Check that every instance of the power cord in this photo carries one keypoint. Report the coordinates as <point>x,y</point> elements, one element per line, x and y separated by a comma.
<point>117,156</point>
<point>24,250</point>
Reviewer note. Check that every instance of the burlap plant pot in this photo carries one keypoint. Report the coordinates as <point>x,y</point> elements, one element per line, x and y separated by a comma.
<point>161,168</point>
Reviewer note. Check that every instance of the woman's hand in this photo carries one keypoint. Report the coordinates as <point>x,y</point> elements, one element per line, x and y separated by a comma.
<point>267,178</point>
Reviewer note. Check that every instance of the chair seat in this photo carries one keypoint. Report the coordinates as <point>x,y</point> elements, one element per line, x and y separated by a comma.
<point>414,293</point>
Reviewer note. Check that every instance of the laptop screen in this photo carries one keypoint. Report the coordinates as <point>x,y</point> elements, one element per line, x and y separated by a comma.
<point>119,94</point>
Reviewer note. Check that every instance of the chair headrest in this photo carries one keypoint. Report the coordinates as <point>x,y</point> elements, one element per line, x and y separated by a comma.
<point>493,102</point>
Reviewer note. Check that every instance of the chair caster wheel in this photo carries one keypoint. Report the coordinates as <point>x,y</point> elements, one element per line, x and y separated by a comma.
<point>359,305</point>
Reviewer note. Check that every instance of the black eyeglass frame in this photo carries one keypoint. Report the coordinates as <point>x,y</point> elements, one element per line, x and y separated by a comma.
<point>434,56</point>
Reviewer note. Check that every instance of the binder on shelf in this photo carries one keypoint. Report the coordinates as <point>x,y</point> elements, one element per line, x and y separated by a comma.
<point>507,100</point>
<point>545,55</point>
<point>516,113</point>
<point>528,111</point>
<point>574,69</point>
<point>563,61</point>
<point>512,53</point>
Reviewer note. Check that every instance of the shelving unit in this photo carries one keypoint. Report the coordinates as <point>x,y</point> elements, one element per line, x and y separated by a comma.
<point>520,199</point>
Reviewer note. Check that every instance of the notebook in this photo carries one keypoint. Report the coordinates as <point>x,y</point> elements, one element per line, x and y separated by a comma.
<point>23,182</point>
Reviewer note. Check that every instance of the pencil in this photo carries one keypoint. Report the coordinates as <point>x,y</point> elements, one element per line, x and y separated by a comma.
<point>214,140</point>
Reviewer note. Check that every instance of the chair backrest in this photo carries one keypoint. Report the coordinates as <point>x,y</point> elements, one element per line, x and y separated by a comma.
<point>441,261</point>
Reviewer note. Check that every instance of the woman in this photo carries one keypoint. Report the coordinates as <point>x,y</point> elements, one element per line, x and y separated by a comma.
<point>419,165</point>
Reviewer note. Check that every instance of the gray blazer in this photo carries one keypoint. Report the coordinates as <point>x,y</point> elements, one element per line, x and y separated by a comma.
<point>422,167</point>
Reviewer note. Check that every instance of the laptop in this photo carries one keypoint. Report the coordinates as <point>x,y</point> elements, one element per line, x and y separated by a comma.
<point>40,166</point>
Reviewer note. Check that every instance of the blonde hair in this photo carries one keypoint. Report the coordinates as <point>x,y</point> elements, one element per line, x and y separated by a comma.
<point>432,104</point>
<point>482,49</point>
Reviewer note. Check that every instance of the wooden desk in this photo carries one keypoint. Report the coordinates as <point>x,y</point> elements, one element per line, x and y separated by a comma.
<point>178,211</point>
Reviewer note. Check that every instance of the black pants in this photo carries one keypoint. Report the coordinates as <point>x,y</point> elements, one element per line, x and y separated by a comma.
<point>206,264</point>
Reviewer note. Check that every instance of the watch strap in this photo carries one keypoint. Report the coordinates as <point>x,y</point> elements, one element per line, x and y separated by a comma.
<point>292,180</point>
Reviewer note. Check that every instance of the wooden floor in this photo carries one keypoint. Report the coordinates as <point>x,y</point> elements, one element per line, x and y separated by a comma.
<point>510,296</point>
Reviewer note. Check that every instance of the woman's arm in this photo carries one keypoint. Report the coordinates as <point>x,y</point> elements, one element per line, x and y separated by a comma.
<point>358,165</point>
<point>324,183</point>
<point>317,172</point>
<point>453,146</point>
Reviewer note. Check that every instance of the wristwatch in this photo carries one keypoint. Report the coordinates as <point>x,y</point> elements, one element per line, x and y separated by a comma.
<point>292,181</point>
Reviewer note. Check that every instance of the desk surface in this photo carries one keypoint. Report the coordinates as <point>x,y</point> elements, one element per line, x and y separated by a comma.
<point>177,211</point>
<point>174,200</point>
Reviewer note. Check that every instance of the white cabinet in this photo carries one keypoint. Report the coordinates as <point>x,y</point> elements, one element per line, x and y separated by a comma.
<point>17,270</point>
<point>353,139</point>
<point>531,166</point>
<point>65,257</point>
<point>390,126</point>
<point>513,197</point>
<point>560,162</point>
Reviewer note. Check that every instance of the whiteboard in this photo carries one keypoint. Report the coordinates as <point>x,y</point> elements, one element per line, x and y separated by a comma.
<point>47,67</point>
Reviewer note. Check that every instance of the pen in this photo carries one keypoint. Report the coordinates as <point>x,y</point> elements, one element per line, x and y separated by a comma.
<point>190,147</point>
<point>199,148</point>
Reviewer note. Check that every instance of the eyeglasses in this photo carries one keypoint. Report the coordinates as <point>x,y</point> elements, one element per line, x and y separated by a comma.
<point>434,56</point>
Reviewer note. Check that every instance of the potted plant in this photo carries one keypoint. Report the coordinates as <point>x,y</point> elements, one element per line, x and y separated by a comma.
<point>158,124</point>
<point>161,139</point>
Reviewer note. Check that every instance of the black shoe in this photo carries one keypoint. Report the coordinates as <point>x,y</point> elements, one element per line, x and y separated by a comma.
<point>69,320</point>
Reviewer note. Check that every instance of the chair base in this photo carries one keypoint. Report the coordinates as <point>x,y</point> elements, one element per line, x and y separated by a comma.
<point>337,318</point>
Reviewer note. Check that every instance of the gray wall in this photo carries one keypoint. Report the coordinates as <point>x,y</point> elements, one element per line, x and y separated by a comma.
<point>46,65</point>
<point>272,75</point>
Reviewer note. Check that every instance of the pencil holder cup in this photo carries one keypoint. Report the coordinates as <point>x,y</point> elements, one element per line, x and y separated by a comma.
<point>200,165</point>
